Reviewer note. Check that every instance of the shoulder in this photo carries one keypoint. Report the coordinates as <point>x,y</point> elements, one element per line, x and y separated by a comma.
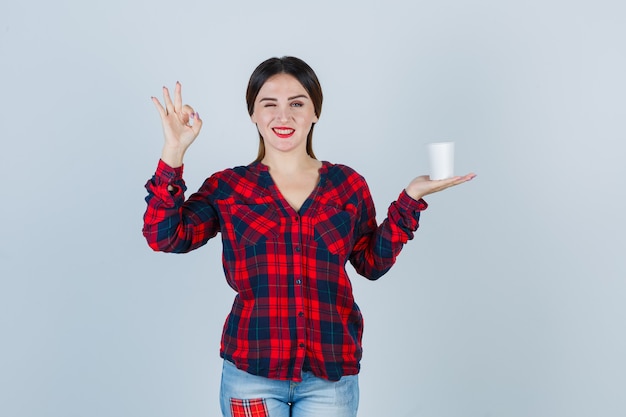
<point>236,173</point>
<point>343,183</point>
<point>341,174</point>
<point>242,180</point>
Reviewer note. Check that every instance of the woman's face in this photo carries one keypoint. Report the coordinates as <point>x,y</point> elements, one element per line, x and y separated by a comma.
<point>283,114</point>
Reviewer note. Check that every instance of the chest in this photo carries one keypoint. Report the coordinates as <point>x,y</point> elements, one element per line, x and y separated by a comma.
<point>295,190</point>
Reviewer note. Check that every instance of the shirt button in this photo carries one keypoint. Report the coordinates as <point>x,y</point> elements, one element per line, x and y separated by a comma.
<point>301,345</point>
<point>298,281</point>
<point>297,248</point>
<point>301,314</point>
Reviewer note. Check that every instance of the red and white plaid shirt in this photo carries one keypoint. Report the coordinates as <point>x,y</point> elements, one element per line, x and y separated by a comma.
<point>294,298</point>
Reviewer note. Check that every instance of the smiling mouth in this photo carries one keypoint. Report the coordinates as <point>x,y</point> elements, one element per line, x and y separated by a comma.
<point>283,132</point>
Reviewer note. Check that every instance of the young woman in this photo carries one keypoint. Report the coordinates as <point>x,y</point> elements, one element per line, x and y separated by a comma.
<point>289,224</point>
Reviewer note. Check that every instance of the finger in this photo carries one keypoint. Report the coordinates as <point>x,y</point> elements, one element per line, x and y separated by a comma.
<point>169,106</point>
<point>158,106</point>
<point>197,124</point>
<point>188,109</point>
<point>185,115</point>
<point>178,98</point>
<point>464,178</point>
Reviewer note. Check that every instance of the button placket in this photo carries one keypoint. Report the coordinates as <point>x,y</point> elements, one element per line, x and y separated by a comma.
<point>298,290</point>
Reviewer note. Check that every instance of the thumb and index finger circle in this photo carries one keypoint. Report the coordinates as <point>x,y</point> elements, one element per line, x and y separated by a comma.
<point>187,114</point>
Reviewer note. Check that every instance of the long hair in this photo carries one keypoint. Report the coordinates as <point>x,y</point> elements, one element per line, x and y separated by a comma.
<point>298,69</point>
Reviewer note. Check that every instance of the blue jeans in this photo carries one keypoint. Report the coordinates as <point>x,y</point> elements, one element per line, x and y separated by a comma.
<point>243,394</point>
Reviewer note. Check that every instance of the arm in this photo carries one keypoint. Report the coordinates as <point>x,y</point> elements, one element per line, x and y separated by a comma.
<point>376,247</point>
<point>170,223</point>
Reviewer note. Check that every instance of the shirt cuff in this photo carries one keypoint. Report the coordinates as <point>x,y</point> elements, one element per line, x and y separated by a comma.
<point>167,173</point>
<point>406,202</point>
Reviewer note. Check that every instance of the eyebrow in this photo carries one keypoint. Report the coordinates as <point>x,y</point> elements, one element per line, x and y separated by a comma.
<point>289,99</point>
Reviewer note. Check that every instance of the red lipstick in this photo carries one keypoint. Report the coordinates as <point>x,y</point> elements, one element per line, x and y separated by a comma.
<point>283,132</point>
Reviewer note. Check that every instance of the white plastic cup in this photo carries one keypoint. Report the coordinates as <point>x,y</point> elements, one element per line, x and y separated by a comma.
<point>441,156</point>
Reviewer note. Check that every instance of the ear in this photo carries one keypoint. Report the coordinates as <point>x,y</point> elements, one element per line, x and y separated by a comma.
<point>253,118</point>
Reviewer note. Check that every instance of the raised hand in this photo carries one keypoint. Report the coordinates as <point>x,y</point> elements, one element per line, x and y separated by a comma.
<point>423,185</point>
<point>178,130</point>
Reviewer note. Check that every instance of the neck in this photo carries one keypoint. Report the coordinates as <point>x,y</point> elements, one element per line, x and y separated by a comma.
<point>288,163</point>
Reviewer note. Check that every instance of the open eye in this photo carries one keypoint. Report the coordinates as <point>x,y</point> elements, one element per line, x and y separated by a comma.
<point>296,104</point>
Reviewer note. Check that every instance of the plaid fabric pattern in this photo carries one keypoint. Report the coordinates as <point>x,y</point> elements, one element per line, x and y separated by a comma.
<point>248,408</point>
<point>294,298</point>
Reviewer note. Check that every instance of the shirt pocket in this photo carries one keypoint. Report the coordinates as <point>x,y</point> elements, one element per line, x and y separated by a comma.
<point>334,229</point>
<point>254,223</point>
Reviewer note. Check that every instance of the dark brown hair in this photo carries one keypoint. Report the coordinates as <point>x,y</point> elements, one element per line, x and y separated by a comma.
<point>298,69</point>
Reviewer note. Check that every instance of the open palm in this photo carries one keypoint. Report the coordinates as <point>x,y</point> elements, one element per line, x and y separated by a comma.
<point>423,185</point>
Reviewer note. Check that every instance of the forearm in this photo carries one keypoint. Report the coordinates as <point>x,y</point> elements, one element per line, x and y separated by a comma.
<point>376,250</point>
<point>172,224</point>
<point>173,156</point>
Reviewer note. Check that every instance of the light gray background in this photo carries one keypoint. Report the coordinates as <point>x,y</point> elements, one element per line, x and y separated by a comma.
<point>509,302</point>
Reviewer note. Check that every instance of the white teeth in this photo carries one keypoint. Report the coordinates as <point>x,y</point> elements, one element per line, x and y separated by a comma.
<point>283,131</point>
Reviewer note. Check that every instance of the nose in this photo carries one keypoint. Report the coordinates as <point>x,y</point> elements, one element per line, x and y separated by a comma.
<point>283,113</point>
